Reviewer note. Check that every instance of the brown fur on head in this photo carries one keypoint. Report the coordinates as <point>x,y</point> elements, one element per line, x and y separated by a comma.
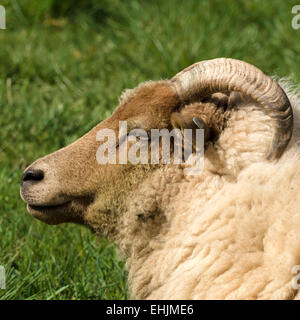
<point>73,181</point>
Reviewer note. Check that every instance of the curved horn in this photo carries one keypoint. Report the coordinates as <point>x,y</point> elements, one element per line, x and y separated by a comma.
<point>224,74</point>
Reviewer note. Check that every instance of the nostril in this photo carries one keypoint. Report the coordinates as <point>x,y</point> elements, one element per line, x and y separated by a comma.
<point>33,175</point>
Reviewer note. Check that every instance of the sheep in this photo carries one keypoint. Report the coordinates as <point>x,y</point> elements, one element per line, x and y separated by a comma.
<point>232,232</point>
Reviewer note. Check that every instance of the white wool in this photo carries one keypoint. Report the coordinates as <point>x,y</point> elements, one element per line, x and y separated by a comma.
<point>231,233</point>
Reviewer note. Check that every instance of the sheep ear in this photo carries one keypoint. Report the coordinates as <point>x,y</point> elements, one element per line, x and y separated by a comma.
<point>189,121</point>
<point>199,123</point>
<point>181,122</point>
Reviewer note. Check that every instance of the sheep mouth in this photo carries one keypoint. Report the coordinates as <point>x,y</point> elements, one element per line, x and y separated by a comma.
<point>56,214</point>
<point>48,207</point>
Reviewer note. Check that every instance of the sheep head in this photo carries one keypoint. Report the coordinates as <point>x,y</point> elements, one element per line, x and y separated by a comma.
<point>62,186</point>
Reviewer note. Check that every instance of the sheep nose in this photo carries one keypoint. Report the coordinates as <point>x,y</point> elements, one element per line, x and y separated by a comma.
<point>32,175</point>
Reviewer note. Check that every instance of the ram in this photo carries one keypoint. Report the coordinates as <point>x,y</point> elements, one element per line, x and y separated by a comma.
<point>231,232</point>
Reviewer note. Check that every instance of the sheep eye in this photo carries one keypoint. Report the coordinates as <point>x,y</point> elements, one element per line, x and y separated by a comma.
<point>140,133</point>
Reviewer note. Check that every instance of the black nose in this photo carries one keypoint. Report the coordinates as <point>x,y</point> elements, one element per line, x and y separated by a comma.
<point>32,175</point>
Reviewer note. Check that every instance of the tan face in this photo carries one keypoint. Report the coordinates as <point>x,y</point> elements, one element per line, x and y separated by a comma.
<point>61,187</point>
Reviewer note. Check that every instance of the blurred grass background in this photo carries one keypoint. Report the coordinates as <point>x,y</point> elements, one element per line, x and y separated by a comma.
<point>63,65</point>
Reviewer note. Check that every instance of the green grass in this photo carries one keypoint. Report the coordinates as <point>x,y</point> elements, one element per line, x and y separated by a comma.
<point>62,69</point>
